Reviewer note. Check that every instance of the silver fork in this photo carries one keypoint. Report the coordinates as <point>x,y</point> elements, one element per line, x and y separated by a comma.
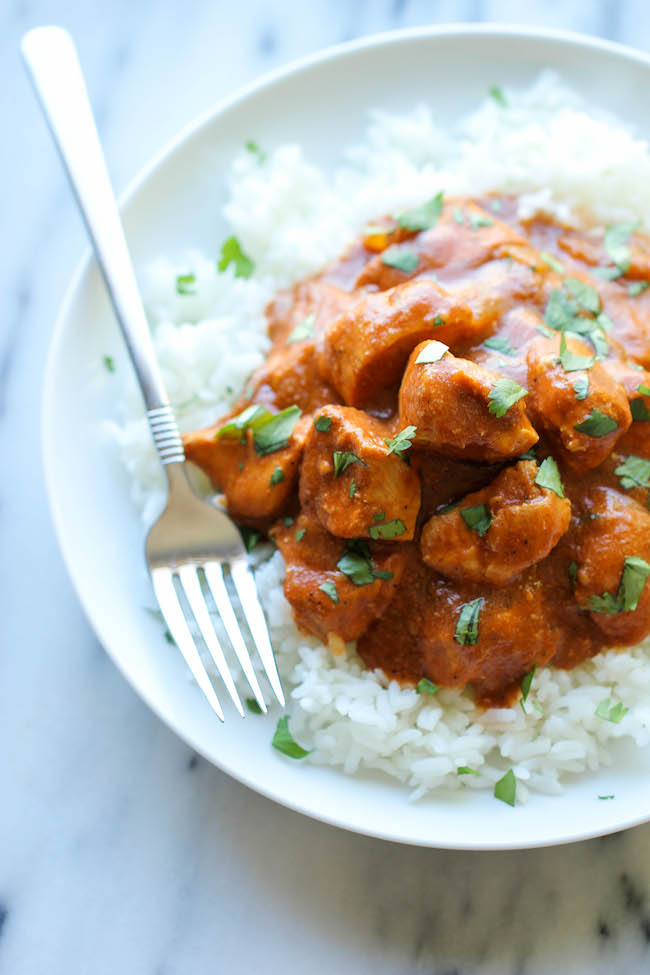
<point>191,539</point>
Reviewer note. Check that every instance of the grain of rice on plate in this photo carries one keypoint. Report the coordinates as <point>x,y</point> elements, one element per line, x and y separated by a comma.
<point>209,326</point>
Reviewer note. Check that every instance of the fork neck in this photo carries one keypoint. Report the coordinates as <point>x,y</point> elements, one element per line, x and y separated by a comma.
<point>166,436</point>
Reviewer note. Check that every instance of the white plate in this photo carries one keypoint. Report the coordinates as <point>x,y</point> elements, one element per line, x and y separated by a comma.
<point>320,102</point>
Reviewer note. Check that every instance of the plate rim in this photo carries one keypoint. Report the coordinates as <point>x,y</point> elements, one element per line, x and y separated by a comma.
<point>86,265</point>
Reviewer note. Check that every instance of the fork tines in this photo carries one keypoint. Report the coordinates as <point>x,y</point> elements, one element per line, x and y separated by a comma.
<point>183,584</point>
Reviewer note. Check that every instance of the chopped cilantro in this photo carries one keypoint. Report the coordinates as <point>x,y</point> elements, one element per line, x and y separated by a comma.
<point>379,516</point>
<point>323,423</point>
<point>277,476</point>
<point>402,442</point>
<point>529,455</point>
<point>526,681</point>
<point>548,476</point>
<point>597,424</point>
<point>402,258</point>
<point>466,770</point>
<point>496,93</point>
<point>432,352</point>
<point>552,262</point>
<point>633,579</point>
<point>586,296</point>
<point>283,741</point>
<point>611,712</point>
<point>256,151</point>
<point>639,411</point>
<point>581,387</point>
<point>598,340</point>
<point>253,706</point>
<point>423,217</point>
<point>459,216</point>
<point>300,534</point>
<point>572,571</point>
<point>231,253</point>
<point>616,238</point>
<point>506,788</point>
<point>466,631</point>
<point>637,288</point>
<point>353,488</point>
<point>499,344</point>
<point>606,797</point>
<point>477,220</point>
<point>356,564</point>
<point>477,518</point>
<point>634,472</point>
<point>342,460</point>
<point>329,589</point>
<point>438,320</point>
<point>425,686</point>
<point>495,206</point>
<point>185,284</point>
<point>251,537</point>
<point>274,432</point>
<point>643,389</point>
<point>504,394</point>
<point>391,529</point>
<point>571,361</point>
<point>109,363</point>
<point>288,520</point>
<point>304,330</point>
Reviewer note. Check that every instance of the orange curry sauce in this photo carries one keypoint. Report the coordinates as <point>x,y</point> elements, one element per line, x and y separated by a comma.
<point>508,526</point>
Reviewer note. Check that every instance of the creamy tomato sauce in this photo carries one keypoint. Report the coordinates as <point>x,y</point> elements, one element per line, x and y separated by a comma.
<point>450,444</point>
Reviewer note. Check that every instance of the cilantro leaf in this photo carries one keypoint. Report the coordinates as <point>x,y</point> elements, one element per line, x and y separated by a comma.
<point>529,455</point>
<point>402,258</point>
<point>526,681</point>
<point>459,216</point>
<point>323,423</point>
<point>109,363</point>
<point>477,220</point>
<point>432,352</point>
<point>277,476</point>
<point>251,537</point>
<point>288,520</point>
<point>639,411</point>
<point>504,394</point>
<point>283,741</point>
<point>466,770</point>
<point>300,534</point>
<point>353,488</point>
<point>506,788</point>
<point>425,686</point>
<point>597,424</point>
<point>571,361</point>
<point>391,529</point>
<point>304,330</point>
<point>231,253</point>
<point>477,518</point>
<point>552,262</point>
<point>548,476</point>
<point>633,579</point>
<point>611,712</point>
<point>499,344</point>
<point>423,217</point>
<point>643,389</point>
<point>637,288</point>
<point>329,589</point>
<point>356,564</point>
<point>586,296</point>
<point>185,284</point>
<point>616,238</point>
<point>274,431</point>
<point>634,472</point>
<point>343,459</point>
<point>572,571</point>
<point>581,387</point>
<point>256,151</point>
<point>496,93</point>
<point>402,442</point>
<point>380,516</point>
<point>466,631</point>
<point>560,311</point>
<point>253,706</point>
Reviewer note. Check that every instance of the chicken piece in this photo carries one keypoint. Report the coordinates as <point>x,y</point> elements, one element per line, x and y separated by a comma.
<point>366,348</point>
<point>492,290</point>
<point>325,601</point>
<point>636,383</point>
<point>309,306</point>
<point>448,401</point>
<point>425,632</point>
<point>464,237</point>
<point>257,486</point>
<point>289,376</point>
<point>376,496</point>
<point>555,406</point>
<point>513,523</point>
<point>614,528</point>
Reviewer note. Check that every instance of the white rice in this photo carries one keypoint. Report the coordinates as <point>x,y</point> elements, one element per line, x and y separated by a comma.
<point>291,218</point>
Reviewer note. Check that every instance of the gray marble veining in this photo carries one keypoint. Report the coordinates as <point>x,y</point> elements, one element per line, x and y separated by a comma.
<point>120,850</point>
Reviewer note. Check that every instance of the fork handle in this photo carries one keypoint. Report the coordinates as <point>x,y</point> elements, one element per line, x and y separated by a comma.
<point>53,66</point>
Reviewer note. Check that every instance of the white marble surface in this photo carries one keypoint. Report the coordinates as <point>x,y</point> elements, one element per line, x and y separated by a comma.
<point>120,852</point>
